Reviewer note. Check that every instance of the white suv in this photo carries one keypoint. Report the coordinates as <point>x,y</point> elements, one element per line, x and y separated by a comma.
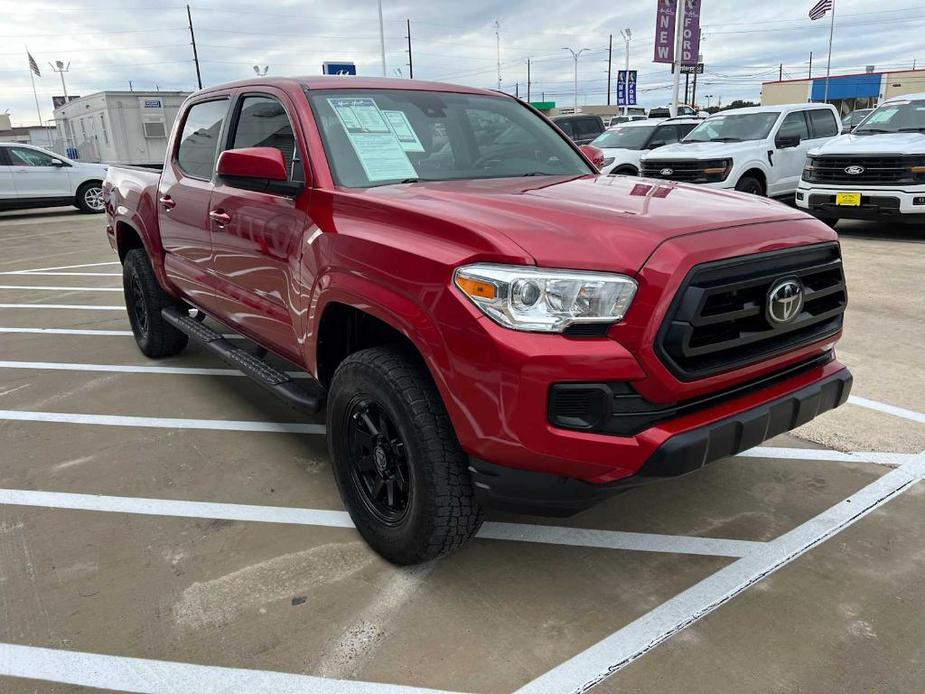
<point>624,145</point>
<point>876,172</point>
<point>34,177</point>
<point>759,150</point>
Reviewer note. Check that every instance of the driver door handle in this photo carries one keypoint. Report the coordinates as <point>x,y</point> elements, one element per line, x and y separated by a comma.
<point>220,218</point>
<point>167,202</point>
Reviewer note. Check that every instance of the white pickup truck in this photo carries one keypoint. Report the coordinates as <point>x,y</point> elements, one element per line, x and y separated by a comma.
<point>34,177</point>
<point>876,172</point>
<point>759,150</point>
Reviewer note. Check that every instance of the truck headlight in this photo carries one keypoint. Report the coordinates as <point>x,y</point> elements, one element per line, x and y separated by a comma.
<point>539,300</point>
<point>718,170</point>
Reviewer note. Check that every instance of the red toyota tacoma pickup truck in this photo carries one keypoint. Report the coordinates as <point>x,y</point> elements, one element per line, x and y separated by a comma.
<point>486,320</point>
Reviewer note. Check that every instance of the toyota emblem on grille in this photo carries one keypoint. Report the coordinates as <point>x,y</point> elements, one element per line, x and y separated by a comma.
<point>785,300</point>
<point>854,170</point>
<point>666,172</point>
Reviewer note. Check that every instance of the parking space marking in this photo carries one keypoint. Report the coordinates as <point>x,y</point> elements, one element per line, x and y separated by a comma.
<point>62,274</point>
<point>887,409</point>
<point>878,457</point>
<point>616,651</point>
<point>69,267</point>
<point>66,307</point>
<point>164,677</point>
<point>98,333</point>
<point>130,368</point>
<point>510,532</point>
<point>161,422</point>
<point>61,289</point>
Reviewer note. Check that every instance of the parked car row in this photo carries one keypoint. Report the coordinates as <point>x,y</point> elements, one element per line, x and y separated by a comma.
<point>790,152</point>
<point>34,177</point>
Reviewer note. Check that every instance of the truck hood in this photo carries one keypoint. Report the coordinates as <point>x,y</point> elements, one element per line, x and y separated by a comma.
<point>702,150</point>
<point>885,143</point>
<point>586,222</point>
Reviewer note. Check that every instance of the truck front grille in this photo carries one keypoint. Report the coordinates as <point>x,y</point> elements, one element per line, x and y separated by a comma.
<point>680,169</point>
<point>866,171</point>
<point>719,321</point>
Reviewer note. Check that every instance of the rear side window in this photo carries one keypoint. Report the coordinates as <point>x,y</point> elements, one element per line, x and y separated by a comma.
<point>199,141</point>
<point>567,126</point>
<point>824,123</point>
<point>263,123</point>
<point>794,124</point>
<point>589,127</point>
<point>666,135</point>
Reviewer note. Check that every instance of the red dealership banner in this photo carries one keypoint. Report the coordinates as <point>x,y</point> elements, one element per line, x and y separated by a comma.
<point>664,31</point>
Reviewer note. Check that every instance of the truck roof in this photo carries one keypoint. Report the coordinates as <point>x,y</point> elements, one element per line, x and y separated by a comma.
<point>312,82</point>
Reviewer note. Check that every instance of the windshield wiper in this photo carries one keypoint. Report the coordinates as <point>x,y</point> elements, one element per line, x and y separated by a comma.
<point>540,173</point>
<point>726,139</point>
<point>878,131</point>
<point>920,129</point>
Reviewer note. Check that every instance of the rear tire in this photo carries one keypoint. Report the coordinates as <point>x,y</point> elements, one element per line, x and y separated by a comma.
<point>144,300</point>
<point>751,185</point>
<point>89,197</point>
<point>398,465</point>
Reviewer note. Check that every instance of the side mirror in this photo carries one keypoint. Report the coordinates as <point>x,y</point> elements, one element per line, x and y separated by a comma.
<point>57,163</point>
<point>256,168</point>
<point>787,141</point>
<point>593,154</point>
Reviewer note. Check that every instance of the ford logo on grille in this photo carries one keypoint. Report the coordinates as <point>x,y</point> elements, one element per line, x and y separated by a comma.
<point>854,170</point>
<point>666,172</point>
<point>785,300</point>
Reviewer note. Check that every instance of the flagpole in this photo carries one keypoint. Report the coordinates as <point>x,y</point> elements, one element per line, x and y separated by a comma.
<point>828,65</point>
<point>34,92</point>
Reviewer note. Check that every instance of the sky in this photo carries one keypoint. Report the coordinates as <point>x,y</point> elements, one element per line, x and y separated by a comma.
<point>109,43</point>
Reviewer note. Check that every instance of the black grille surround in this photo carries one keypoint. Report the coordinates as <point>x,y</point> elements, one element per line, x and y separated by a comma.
<point>718,320</point>
<point>875,170</point>
<point>687,170</point>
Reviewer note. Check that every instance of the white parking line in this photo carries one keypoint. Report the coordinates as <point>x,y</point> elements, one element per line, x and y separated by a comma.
<point>61,289</point>
<point>62,274</point>
<point>66,307</point>
<point>96,333</point>
<point>164,677</point>
<point>887,409</point>
<point>161,422</point>
<point>878,457</point>
<point>130,368</point>
<point>511,532</point>
<point>616,651</point>
<point>69,267</point>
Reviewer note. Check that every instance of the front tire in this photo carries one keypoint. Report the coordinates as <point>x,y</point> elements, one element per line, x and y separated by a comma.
<point>398,465</point>
<point>751,185</point>
<point>144,300</point>
<point>89,197</point>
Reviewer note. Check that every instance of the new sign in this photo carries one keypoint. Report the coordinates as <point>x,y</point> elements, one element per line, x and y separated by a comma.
<point>626,88</point>
<point>666,26</point>
<point>338,69</point>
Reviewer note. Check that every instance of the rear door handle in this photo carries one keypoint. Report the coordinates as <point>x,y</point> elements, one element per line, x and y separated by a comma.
<point>167,202</point>
<point>220,218</point>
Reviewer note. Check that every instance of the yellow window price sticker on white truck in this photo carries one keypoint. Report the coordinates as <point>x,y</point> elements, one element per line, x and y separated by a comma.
<point>848,199</point>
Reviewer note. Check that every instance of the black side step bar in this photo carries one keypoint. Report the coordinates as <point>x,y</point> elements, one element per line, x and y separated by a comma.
<point>307,396</point>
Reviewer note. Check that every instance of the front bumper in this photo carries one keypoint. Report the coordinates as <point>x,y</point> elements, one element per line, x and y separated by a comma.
<point>538,493</point>
<point>876,202</point>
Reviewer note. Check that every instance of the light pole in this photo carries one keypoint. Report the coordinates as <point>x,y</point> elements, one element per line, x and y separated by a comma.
<point>59,67</point>
<point>708,97</point>
<point>382,39</point>
<point>263,72</point>
<point>627,34</point>
<point>575,57</point>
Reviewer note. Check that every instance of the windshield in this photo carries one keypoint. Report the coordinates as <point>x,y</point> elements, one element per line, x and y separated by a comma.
<point>895,117</point>
<point>384,136</point>
<point>855,117</point>
<point>734,127</point>
<point>625,138</point>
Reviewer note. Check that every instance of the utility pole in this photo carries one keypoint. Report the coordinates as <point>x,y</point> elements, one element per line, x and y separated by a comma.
<point>498,50</point>
<point>528,80</point>
<point>410,63</point>
<point>780,73</point>
<point>192,36</point>
<point>516,90</point>
<point>130,87</point>
<point>609,65</point>
<point>678,47</point>
<point>382,39</point>
<point>627,34</point>
<point>575,57</point>
<point>687,87</point>
<point>694,94</point>
<point>810,65</point>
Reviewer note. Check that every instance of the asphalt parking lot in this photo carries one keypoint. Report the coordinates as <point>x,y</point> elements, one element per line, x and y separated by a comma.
<point>167,526</point>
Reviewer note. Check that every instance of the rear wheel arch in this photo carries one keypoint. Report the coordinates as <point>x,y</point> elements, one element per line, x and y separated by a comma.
<point>127,239</point>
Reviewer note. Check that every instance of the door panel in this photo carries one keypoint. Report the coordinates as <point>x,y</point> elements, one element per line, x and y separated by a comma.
<point>183,201</point>
<point>789,161</point>
<point>35,177</point>
<point>7,189</point>
<point>256,250</point>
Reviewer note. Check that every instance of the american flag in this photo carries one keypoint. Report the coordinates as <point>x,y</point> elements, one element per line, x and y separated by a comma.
<point>34,66</point>
<point>820,8</point>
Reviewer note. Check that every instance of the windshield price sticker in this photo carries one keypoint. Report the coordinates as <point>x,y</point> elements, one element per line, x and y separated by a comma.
<point>401,126</point>
<point>377,145</point>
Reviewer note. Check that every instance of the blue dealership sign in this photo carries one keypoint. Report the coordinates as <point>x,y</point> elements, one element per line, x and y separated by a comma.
<point>338,69</point>
<point>626,88</point>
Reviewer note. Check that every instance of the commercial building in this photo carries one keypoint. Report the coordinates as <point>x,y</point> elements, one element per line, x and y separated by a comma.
<point>40,135</point>
<point>118,127</point>
<point>846,92</point>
